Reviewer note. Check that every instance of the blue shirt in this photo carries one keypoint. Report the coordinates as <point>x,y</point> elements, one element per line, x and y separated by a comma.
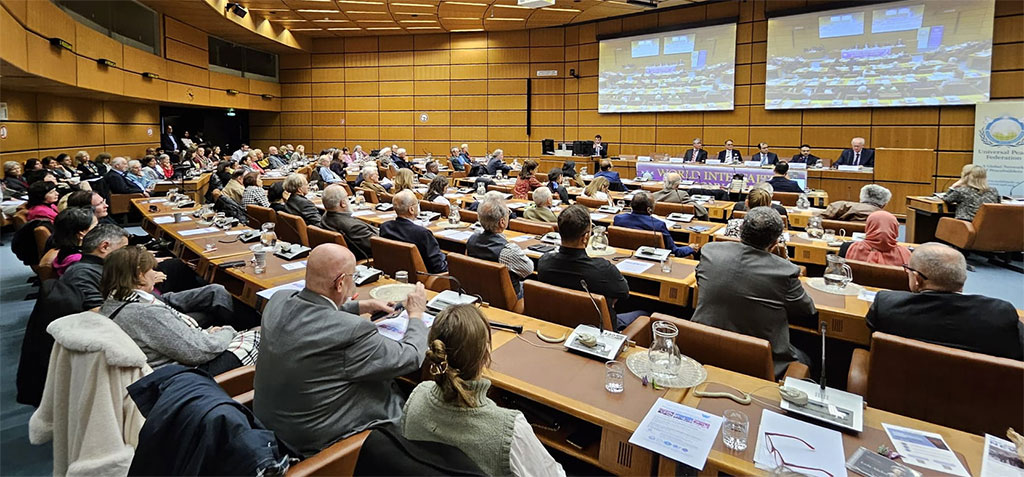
<point>614,182</point>
<point>646,222</point>
<point>140,181</point>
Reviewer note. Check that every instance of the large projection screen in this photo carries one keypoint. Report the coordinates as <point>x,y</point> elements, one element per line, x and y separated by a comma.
<point>909,53</point>
<point>685,70</point>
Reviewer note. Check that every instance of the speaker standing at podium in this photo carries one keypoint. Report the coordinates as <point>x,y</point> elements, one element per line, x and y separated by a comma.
<point>600,148</point>
<point>857,155</point>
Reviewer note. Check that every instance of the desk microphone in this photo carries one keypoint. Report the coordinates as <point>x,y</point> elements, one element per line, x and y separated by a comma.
<point>600,316</point>
<point>458,284</point>
<point>823,328</point>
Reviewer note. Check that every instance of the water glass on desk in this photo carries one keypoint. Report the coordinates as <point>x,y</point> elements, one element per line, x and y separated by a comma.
<point>614,377</point>
<point>735,428</point>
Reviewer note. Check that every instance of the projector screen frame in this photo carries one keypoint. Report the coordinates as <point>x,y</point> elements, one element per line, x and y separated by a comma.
<point>668,28</point>
<point>835,5</point>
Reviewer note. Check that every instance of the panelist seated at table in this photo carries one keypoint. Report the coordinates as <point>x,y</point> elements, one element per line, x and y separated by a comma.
<point>403,229</point>
<point>781,182</point>
<point>697,153</point>
<point>297,203</point>
<point>614,181</point>
<point>805,157</point>
<point>570,264</point>
<point>491,245</point>
<point>764,156</point>
<point>856,155</point>
<point>641,219</point>
<point>873,198</point>
<point>729,155</point>
<point>747,288</point>
<point>325,373</point>
<point>937,311</point>
<point>453,407</point>
<point>338,217</point>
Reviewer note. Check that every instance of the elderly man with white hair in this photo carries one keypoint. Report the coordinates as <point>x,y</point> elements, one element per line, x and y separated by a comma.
<point>371,179</point>
<point>403,229</point>
<point>118,181</point>
<point>297,203</point>
<point>541,210</point>
<point>326,174</point>
<point>136,175</point>
<point>338,217</point>
<point>873,198</point>
<point>671,193</point>
<point>856,155</point>
<point>497,163</point>
<point>399,159</point>
<point>937,311</point>
<point>491,244</point>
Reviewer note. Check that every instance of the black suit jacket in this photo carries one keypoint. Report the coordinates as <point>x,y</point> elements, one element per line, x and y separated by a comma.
<point>298,204</point>
<point>969,322</point>
<point>772,158</point>
<point>811,159</point>
<point>403,230</point>
<point>168,145</point>
<point>867,158</point>
<point>735,154</point>
<point>357,233</point>
<point>782,184</point>
<point>119,184</point>
<point>702,155</point>
<point>604,149</point>
<point>567,266</point>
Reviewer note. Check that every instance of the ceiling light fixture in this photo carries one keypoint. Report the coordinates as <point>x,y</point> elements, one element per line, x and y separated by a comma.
<point>420,5</point>
<point>423,28</point>
<point>375,21</point>
<point>417,21</point>
<point>360,2</point>
<point>237,9</point>
<point>384,28</point>
<point>470,4</point>
<point>467,30</point>
<point>305,29</point>
<point>344,29</point>
<point>553,9</point>
<point>510,6</point>
<point>366,12</point>
<point>461,18</point>
<point>313,10</point>
<point>506,19</point>
<point>325,20</point>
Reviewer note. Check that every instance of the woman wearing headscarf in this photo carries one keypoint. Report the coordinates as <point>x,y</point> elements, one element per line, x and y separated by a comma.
<point>880,242</point>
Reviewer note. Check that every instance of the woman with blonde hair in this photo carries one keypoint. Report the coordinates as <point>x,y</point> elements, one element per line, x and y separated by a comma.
<point>454,408</point>
<point>404,179</point>
<point>972,190</point>
<point>598,189</point>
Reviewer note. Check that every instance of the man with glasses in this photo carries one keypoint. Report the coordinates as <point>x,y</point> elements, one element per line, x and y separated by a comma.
<point>325,372</point>
<point>936,310</point>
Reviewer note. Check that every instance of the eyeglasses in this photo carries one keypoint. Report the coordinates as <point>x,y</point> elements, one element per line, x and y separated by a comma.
<point>340,277</point>
<point>782,461</point>
<point>907,268</point>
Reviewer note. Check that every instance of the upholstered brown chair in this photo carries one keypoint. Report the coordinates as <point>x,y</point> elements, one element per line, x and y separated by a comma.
<point>45,269</point>
<point>589,202</point>
<point>739,214</point>
<point>468,216</point>
<point>122,203</point>
<point>392,256</point>
<point>318,236</point>
<point>442,209</point>
<point>849,226</point>
<point>488,279</point>
<point>889,277</point>
<point>787,199</point>
<point>459,174</point>
<point>259,215</point>
<point>500,188</point>
<point>531,226</point>
<point>338,459</point>
<point>385,197</point>
<point>665,208</point>
<point>969,391</point>
<point>717,347</point>
<point>238,381</point>
<point>542,177</point>
<point>42,235</point>
<point>563,306</point>
<point>995,228</point>
<point>291,228</point>
<point>631,239</point>
<point>369,195</point>
<point>20,218</point>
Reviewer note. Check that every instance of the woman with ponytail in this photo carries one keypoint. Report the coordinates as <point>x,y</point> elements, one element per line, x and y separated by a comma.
<point>454,408</point>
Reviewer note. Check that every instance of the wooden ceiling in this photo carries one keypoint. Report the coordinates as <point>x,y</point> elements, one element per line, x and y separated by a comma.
<point>326,18</point>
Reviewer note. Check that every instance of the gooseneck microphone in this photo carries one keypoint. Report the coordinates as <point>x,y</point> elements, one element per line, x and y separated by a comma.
<point>600,316</point>
<point>823,329</point>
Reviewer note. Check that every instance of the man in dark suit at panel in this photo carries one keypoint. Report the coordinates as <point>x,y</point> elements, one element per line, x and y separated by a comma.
<point>936,311</point>
<point>765,157</point>
<point>600,147</point>
<point>402,229</point>
<point>805,156</point>
<point>856,155</point>
<point>746,288</point>
<point>168,141</point>
<point>729,155</point>
<point>338,217</point>
<point>698,153</point>
<point>781,182</point>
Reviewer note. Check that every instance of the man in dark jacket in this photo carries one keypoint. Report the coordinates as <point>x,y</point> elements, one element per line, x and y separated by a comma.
<point>339,219</point>
<point>781,182</point>
<point>497,163</point>
<point>402,229</point>
<point>116,180</point>
<point>297,203</point>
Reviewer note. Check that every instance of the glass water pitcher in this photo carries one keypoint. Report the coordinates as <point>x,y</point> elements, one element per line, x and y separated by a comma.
<point>664,354</point>
<point>599,238</point>
<point>837,273</point>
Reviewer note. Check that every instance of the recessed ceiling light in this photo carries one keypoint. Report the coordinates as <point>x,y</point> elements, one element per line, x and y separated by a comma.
<point>472,4</point>
<point>360,2</point>
<point>411,13</point>
<point>466,30</point>
<point>506,19</point>
<point>269,10</point>
<point>344,29</point>
<point>375,21</point>
<point>325,20</point>
<point>499,5</point>
<point>313,10</point>
<point>305,29</point>
<point>384,28</point>
<point>287,20</point>
<point>423,28</point>
<point>418,21</point>
<point>461,18</point>
<point>552,9</point>
<point>422,5</point>
<point>366,12</point>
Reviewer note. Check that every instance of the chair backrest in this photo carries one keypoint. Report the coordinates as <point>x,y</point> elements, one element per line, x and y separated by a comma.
<point>739,214</point>
<point>291,228</point>
<point>488,279</point>
<point>589,202</point>
<point>369,195</point>
<point>542,177</point>
<point>442,209</point>
<point>20,218</point>
<point>998,228</point>
<point>238,381</point>
<point>259,215</point>
<point>42,234</point>
<point>717,347</point>
<point>468,216</point>
<point>969,391</point>
<point>122,203</point>
<point>424,180</point>
<point>889,277</point>
<point>849,226</point>
<point>786,198</point>
<point>338,459</point>
<point>459,174</point>
<point>385,197</point>
<point>531,227</point>
<point>665,208</point>
<point>392,256</point>
<point>45,270</point>
<point>319,236</point>
<point>632,239</point>
<point>562,305</point>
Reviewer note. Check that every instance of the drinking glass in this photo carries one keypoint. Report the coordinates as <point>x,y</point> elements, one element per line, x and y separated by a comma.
<point>830,236</point>
<point>666,265</point>
<point>402,276</point>
<point>614,376</point>
<point>621,204</point>
<point>734,430</point>
<point>259,258</point>
<point>268,237</point>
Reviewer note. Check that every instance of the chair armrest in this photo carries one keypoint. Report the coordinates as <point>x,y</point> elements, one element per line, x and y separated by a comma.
<point>245,398</point>
<point>237,381</point>
<point>958,233</point>
<point>857,380</point>
<point>636,327</point>
<point>338,459</point>
<point>797,370</point>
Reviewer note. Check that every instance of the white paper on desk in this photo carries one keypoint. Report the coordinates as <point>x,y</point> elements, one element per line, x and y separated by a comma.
<point>828,445</point>
<point>294,266</point>
<point>394,328</point>
<point>12,202</point>
<point>360,213</point>
<point>237,232</point>
<point>522,238</point>
<point>154,201</point>
<point>594,216</point>
<point>635,267</point>
<point>297,285</point>
<point>999,459</point>
<point>516,205</point>
<point>204,230</point>
<point>387,216</point>
<point>167,219</point>
<point>456,235</point>
<point>924,449</point>
<point>668,223</point>
<point>867,295</point>
<point>679,432</point>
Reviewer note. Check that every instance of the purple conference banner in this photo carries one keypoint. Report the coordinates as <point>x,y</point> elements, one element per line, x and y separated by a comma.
<point>712,174</point>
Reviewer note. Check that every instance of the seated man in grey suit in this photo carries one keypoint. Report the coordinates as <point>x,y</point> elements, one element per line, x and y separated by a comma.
<point>746,288</point>
<point>297,204</point>
<point>339,219</point>
<point>670,192</point>
<point>325,373</point>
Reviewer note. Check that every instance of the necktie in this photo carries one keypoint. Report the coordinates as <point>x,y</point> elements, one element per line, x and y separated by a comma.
<point>694,155</point>
<point>856,159</point>
<point>764,159</point>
